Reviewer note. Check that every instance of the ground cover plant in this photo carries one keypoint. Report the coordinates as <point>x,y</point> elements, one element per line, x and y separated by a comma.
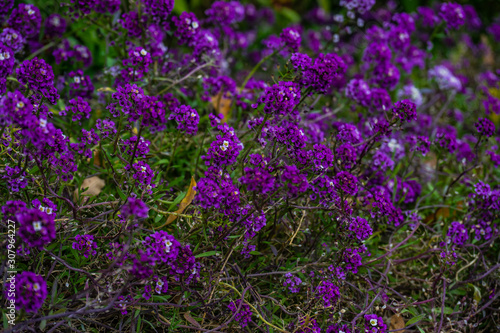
<point>269,166</point>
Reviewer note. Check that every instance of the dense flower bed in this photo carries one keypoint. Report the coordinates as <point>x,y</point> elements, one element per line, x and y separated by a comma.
<point>227,171</point>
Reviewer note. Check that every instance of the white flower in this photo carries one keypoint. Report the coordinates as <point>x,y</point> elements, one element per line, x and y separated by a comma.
<point>20,105</point>
<point>373,322</point>
<point>37,225</point>
<point>143,169</point>
<point>43,122</point>
<point>31,12</point>
<point>195,25</point>
<point>41,208</point>
<point>144,52</point>
<point>36,287</point>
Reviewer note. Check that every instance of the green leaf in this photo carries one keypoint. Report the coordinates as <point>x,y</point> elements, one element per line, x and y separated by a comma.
<point>255,253</point>
<point>290,14</point>
<point>415,319</point>
<point>206,254</point>
<point>180,6</point>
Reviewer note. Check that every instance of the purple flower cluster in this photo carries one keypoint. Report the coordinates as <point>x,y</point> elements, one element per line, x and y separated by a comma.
<point>30,292</point>
<point>26,19</point>
<point>85,244</point>
<point>374,324</point>
<point>281,98</point>
<point>405,110</point>
<point>36,228</point>
<point>292,282</point>
<point>38,75</point>
<point>244,315</point>
<point>134,207</point>
<point>485,127</point>
<point>187,119</point>
<point>453,14</point>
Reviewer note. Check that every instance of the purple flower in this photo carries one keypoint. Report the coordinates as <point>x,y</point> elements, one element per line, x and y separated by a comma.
<point>134,207</point>
<point>412,93</point>
<point>107,6</point>
<point>453,14</point>
<point>187,119</point>
<point>5,7</point>
<point>244,315</point>
<point>158,9</point>
<point>225,12</point>
<point>374,324</point>
<point>140,60</point>
<point>31,292</point>
<point>359,91</point>
<point>258,180</point>
<point>142,147</point>
<point>295,181</point>
<point>38,75</point>
<point>328,292</point>
<point>377,53</point>
<point>162,247</point>
<point>86,244</point>
<point>427,16</point>
<point>360,228</point>
<point>6,60</point>
<point>325,69</point>
<point>405,110</point>
<point>494,30</point>
<point>338,328</point>
<point>346,182</point>
<point>80,85</point>
<point>187,27</point>
<point>36,229</point>
<point>380,99</point>
<point>79,108</point>
<point>292,283</point>
<point>386,75</point>
<point>13,39</point>
<point>224,149</point>
<point>82,53</point>
<point>281,98</point>
<point>16,178</point>
<point>291,38</point>
<point>457,234</point>
<point>445,78</point>
<point>361,6</point>
<point>485,127</point>
<point>10,209</point>
<point>26,19</point>
<point>55,26</point>
<point>45,206</point>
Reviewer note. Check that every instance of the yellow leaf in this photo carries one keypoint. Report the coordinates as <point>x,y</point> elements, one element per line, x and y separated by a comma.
<point>106,89</point>
<point>184,203</point>
<point>397,322</point>
<point>222,104</point>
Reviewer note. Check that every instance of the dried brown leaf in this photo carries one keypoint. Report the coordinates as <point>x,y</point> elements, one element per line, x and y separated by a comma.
<point>193,321</point>
<point>397,322</point>
<point>222,104</point>
<point>93,185</point>
<point>185,202</point>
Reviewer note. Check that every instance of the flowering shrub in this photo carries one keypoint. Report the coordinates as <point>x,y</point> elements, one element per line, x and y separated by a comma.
<point>243,168</point>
